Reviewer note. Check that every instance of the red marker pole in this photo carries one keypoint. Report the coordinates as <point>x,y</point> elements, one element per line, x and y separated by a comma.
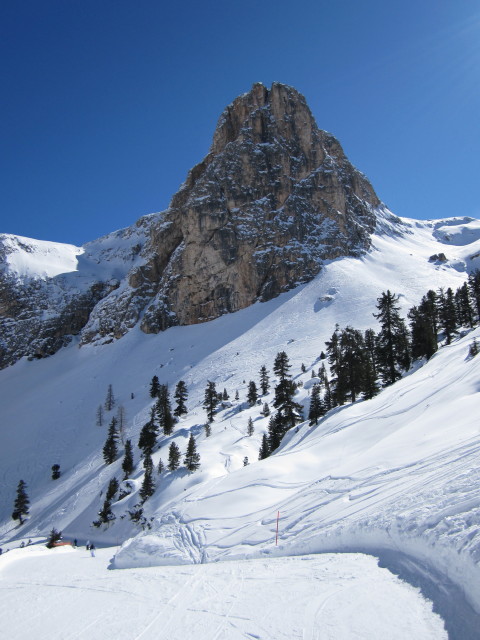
<point>276,535</point>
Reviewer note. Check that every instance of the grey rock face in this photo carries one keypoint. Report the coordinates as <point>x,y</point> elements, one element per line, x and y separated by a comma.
<point>274,197</point>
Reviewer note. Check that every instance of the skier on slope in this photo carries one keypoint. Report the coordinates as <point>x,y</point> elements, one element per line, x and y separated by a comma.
<point>92,550</point>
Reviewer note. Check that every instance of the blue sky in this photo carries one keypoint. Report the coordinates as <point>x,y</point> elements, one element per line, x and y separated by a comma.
<point>107,104</point>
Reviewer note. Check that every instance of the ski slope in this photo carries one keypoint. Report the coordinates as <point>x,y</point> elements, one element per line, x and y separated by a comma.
<point>396,476</point>
<point>68,594</point>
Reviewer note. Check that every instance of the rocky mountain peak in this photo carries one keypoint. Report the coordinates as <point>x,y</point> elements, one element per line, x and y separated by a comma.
<point>274,197</point>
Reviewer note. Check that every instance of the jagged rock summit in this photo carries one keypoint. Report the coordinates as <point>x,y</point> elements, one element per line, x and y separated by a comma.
<point>273,198</point>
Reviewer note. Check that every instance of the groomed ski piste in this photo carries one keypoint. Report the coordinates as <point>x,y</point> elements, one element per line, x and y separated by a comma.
<point>395,477</point>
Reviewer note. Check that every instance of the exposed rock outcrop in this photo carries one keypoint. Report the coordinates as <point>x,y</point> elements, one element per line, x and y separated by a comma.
<point>274,197</point>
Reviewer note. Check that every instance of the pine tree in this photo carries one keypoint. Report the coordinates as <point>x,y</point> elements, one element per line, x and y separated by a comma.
<point>21,504</point>
<point>250,427</point>
<point>121,422</point>
<point>147,460</point>
<point>99,416</point>
<point>264,380</point>
<point>334,356</point>
<point>173,457</point>
<point>55,471</point>
<point>245,461</point>
<point>192,458</point>
<point>208,429</point>
<point>317,409</point>
<point>237,396</point>
<point>164,410</point>
<point>252,394</point>
<point>148,434</point>
<point>127,464</point>
<point>392,342</point>
<point>264,450</point>
<point>465,312</point>
<point>266,410</point>
<point>112,489</point>
<point>275,432</point>
<point>110,399</point>
<point>160,467</point>
<point>110,449</point>
<point>225,395</point>
<point>154,387</point>
<point>105,515</point>
<point>474,287</point>
<point>473,349</point>
<point>211,400</point>
<point>53,538</point>
<point>370,340</point>
<point>148,485</point>
<point>422,331</point>
<point>180,395</point>
<point>447,313</point>
<point>288,411</point>
<point>353,359</point>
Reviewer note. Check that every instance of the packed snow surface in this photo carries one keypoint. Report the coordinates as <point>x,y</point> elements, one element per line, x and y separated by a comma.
<point>396,476</point>
<point>68,594</point>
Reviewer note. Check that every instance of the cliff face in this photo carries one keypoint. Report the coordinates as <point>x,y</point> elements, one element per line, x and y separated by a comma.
<point>274,197</point>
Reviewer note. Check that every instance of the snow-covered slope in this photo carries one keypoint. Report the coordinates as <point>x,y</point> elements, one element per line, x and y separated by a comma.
<point>399,472</point>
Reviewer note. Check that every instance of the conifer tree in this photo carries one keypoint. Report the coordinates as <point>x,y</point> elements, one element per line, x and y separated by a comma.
<point>208,429</point>
<point>392,343</point>
<point>148,485</point>
<point>110,399</point>
<point>164,410</point>
<point>210,400</point>
<point>127,464</point>
<point>266,410</point>
<point>160,467</point>
<point>447,313</point>
<point>180,395</point>
<point>55,471</point>
<point>225,395</point>
<point>22,503</point>
<point>192,458</point>
<point>112,489</point>
<point>474,288</point>
<point>423,338</point>
<point>264,450</point>
<point>105,515</point>
<point>353,358</point>
<point>173,457</point>
<point>110,449</point>
<point>264,380</point>
<point>121,422</point>
<point>237,397</point>
<point>317,409</point>
<point>154,387</point>
<point>250,427</point>
<point>147,460</point>
<point>252,394</point>
<point>148,434</point>
<point>53,538</point>
<point>275,432</point>
<point>370,340</point>
<point>245,461</point>
<point>465,312</point>
<point>473,349</point>
<point>288,411</point>
<point>100,416</point>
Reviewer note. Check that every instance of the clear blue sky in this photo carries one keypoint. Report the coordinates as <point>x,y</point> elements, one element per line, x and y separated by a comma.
<point>106,104</point>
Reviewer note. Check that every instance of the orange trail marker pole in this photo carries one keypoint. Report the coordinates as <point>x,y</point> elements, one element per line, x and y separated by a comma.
<point>276,535</point>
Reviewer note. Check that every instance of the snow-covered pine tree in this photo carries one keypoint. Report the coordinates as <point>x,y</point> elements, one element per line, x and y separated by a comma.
<point>225,395</point>
<point>110,448</point>
<point>447,313</point>
<point>127,464</point>
<point>173,457</point>
<point>180,395</point>
<point>148,485</point>
<point>121,422</point>
<point>288,411</point>
<point>266,410</point>
<point>148,434</point>
<point>250,427</point>
<point>160,467</point>
<point>208,429</point>
<point>99,421</point>
<point>53,537</point>
<point>474,287</point>
<point>22,503</point>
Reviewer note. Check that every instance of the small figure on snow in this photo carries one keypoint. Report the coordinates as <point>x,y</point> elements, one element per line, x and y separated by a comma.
<point>75,543</point>
<point>92,550</point>
<point>87,545</point>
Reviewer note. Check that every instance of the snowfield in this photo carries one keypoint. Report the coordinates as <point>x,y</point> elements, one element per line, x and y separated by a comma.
<point>396,477</point>
<point>68,594</point>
